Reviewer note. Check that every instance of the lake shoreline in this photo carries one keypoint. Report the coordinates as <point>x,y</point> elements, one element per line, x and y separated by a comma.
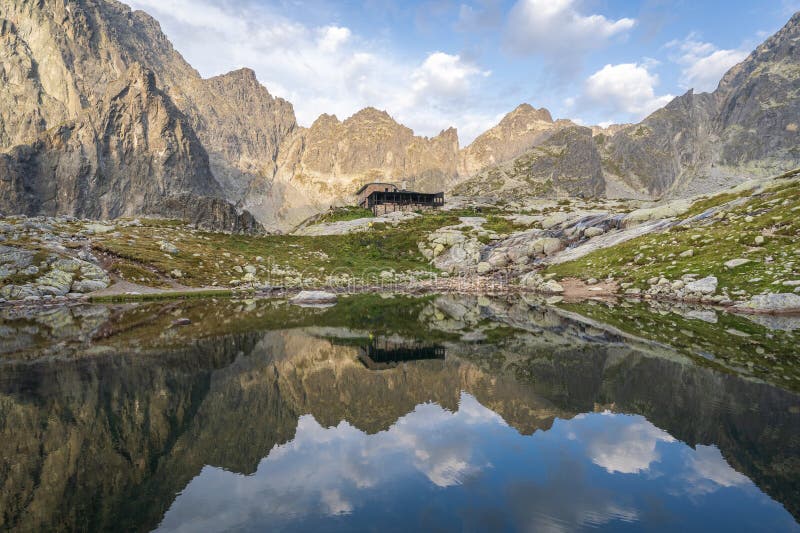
<point>574,291</point>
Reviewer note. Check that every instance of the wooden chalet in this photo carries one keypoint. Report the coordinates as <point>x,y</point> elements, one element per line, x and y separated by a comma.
<point>385,197</point>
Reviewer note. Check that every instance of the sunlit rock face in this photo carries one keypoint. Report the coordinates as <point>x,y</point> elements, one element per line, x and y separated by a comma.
<point>702,142</point>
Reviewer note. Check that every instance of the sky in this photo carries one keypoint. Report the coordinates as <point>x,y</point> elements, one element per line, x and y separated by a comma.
<point>433,64</point>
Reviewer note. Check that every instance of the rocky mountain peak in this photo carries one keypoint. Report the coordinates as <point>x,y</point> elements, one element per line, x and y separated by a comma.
<point>518,131</point>
<point>526,111</point>
<point>370,115</point>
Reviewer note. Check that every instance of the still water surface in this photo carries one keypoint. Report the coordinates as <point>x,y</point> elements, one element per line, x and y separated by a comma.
<point>438,413</point>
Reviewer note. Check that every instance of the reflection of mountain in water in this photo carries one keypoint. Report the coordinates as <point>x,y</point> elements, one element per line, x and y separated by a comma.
<point>106,442</point>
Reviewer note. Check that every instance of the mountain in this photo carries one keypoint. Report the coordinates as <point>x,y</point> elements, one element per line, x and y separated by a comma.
<point>698,143</point>
<point>101,117</point>
<point>59,62</point>
<point>326,163</point>
<point>565,162</point>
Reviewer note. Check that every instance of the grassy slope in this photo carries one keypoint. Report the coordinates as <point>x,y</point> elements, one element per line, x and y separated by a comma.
<point>775,216</point>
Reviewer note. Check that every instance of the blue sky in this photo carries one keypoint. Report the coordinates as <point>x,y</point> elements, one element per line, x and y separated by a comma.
<point>433,64</point>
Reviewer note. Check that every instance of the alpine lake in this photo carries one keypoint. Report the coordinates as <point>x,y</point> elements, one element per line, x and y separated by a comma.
<point>390,412</point>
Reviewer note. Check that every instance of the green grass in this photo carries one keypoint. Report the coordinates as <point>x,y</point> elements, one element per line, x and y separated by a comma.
<point>775,215</point>
<point>206,258</point>
<point>166,295</point>
<point>340,214</point>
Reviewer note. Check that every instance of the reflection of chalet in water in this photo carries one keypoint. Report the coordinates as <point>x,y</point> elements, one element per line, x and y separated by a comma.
<point>381,354</point>
<point>386,197</point>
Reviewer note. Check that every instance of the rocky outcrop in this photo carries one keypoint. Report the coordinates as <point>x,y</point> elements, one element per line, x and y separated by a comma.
<point>566,163</point>
<point>83,134</point>
<point>325,164</point>
<point>129,154</point>
<point>242,127</point>
<point>516,133</point>
<point>700,143</point>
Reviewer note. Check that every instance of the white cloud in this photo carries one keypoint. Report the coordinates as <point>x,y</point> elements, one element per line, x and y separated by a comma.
<point>627,88</point>
<point>558,31</point>
<point>444,75</point>
<point>324,69</point>
<point>332,37</point>
<point>703,63</point>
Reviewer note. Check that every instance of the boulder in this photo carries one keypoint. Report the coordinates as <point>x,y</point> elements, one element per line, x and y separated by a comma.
<point>55,283</point>
<point>772,303</point>
<point>314,298</point>
<point>168,247</point>
<point>484,267</point>
<point>707,285</point>
<point>15,257</point>
<point>88,285</point>
<point>733,263</point>
<point>593,232</point>
<point>552,286</point>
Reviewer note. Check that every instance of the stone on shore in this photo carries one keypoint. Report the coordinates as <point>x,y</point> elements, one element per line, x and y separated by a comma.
<point>314,298</point>
<point>704,286</point>
<point>733,263</point>
<point>772,303</point>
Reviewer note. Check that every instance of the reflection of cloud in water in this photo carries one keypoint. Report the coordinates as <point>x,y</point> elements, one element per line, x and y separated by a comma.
<point>622,443</point>
<point>321,468</point>
<point>708,471</point>
<point>478,469</point>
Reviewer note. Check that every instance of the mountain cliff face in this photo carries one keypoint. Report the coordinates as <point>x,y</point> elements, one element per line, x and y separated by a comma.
<point>567,162</point>
<point>326,163</point>
<point>517,132</point>
<point>61,125</point>
<point>749,127</point>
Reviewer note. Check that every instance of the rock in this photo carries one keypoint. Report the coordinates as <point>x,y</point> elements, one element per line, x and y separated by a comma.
<point>677,285</point>
<point>553,300</point>
<point>733,263</point>
<point>552,286</point>
<point>18,292</point>
<point>706,315</point>
<point>551,245</point>
<point>772,303</point>
<point>15,257</point>
<point>759,240</point>
<point>250,269</point>
<point>249,277</point>
<point>531,280</point>
<point>687,253</point>
<point>633,291</point>
<point>484,268</point>
<point>182,322</point>
<point>592,281</point>
<point>168,247</point>
<point>593,232</point>
<point>99,228</point>
<point>238,269</point>
<point>792,283</point>
<point>176,273</point>
<point>67,265</point>
<point>748,219</point>
<point>314,298</point>
<point>653,281</point>
<point>707,285</point>
<point>88,285</point>
<point>55,283</point>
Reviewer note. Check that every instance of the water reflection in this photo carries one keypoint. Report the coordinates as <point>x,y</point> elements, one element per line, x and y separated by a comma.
<point>533,419</point>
